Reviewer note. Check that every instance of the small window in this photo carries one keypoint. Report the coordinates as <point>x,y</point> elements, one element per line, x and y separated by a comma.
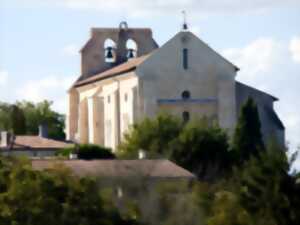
<point>108,99</point>
<point>186,116</point>
<point>185,58</point>
<point>125,97</point>
<point>186,95</point>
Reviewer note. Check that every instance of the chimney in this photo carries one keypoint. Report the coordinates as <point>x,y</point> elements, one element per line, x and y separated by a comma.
<point>5,139</point>
<point>43,131</point>
<point>142,154</point>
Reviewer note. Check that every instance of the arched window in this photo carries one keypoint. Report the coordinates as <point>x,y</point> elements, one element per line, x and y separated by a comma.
<point>110,51</point>
<point>186,95</point>
<point>132,48</point>
<point>186,116</point>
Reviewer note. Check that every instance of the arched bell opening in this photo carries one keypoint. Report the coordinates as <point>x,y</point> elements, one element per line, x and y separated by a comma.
<point>132,48</point>
<point>110,51</point>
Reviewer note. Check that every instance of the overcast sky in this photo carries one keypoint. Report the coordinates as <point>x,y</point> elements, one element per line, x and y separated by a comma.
<point>40,39</point>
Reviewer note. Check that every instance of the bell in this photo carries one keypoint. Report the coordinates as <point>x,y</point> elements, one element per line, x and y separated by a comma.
<point>109,53</point>
<point>130,53</point>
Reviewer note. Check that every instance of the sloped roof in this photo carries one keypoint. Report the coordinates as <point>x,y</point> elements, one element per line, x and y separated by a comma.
<point>252,89</point>
<point>37,142</point>
<point>118,168</point>
<point>122,68</point>
<point>274,117</point>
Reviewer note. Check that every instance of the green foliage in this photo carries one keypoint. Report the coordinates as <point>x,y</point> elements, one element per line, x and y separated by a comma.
<point>88,152</point>
<point>52,197</point>
<point>18,120</point>
<point>227,210</point>
<point>267,188</point>
<point>5,120</point>
<point>151,135</point>
<point>198,145</point>
<point>260,192</point>
<point>41,113</point>
<point>13,117</point>
<point>247,140</point>
<point>202,148</point>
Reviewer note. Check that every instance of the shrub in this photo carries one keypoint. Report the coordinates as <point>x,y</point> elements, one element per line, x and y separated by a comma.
<point>152,135</point>
<point>203,149</point>
<point>88,152</point>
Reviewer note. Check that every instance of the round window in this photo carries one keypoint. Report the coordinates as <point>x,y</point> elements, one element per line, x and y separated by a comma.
<point>186,95</point>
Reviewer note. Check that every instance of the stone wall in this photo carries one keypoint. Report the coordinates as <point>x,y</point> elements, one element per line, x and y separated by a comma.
<point>208,77</point>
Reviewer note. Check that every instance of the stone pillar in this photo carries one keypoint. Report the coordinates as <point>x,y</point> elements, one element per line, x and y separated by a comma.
<point>83,122</point>
<point>99,120</point>
<point>135,105</point>
<point>73,115</point>
<point>117,118</point>
<point>91,125</point>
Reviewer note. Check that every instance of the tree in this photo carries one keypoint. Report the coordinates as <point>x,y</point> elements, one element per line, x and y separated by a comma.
<point>41,113</point>
<point>18,120</point>
<point>88,152</point>
<point>50,197</point>
<point>202,148</point>
<point>151,135</point>
<point>198,145</point>
<point>247,140</point>
<point>227,210</point>
<point>267,189</point>
<point>5,118</point>
<point>11,117</point>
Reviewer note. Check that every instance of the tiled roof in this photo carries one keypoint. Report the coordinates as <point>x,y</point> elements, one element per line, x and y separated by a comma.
<point>118,168</point>
<point>37,142</point>
<point>122,68</point>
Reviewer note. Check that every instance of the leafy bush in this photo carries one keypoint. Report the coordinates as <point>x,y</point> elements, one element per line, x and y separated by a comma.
<point>88,152</point>
<point>203,149</point>
<point>151,135</point>
<point>25,117</point>
<point>54,196</point>
<point>199,145</point>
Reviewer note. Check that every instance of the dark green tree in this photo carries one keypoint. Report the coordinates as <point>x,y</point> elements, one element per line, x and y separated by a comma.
<point>35,115</point>
<point>202,148</point>
<point>50,197</point>
<point>247,140</point>
<point>88,152</point>
<point>198,145</point>
<point>151,135</point>
<point>41,113</point>
<point>266,188</point>
<point>18,120</point>
<point>5,118</point>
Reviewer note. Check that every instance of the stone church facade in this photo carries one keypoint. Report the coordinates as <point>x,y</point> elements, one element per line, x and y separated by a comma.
<point>126,76</point>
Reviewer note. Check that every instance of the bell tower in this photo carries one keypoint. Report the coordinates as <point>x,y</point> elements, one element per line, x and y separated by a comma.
<point>109,47</point>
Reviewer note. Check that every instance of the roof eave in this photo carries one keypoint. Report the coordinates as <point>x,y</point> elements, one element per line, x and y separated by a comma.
<point>102,78</point>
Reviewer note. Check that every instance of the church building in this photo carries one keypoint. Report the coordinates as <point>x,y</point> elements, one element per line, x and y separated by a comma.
<point>126,76</point>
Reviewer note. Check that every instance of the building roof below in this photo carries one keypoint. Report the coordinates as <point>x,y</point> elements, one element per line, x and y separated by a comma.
<point>118,168</point>
<point>37,142</point>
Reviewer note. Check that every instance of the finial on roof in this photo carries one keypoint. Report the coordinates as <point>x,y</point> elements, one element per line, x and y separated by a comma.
<point>123,25</point>
<point>184,26</point>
